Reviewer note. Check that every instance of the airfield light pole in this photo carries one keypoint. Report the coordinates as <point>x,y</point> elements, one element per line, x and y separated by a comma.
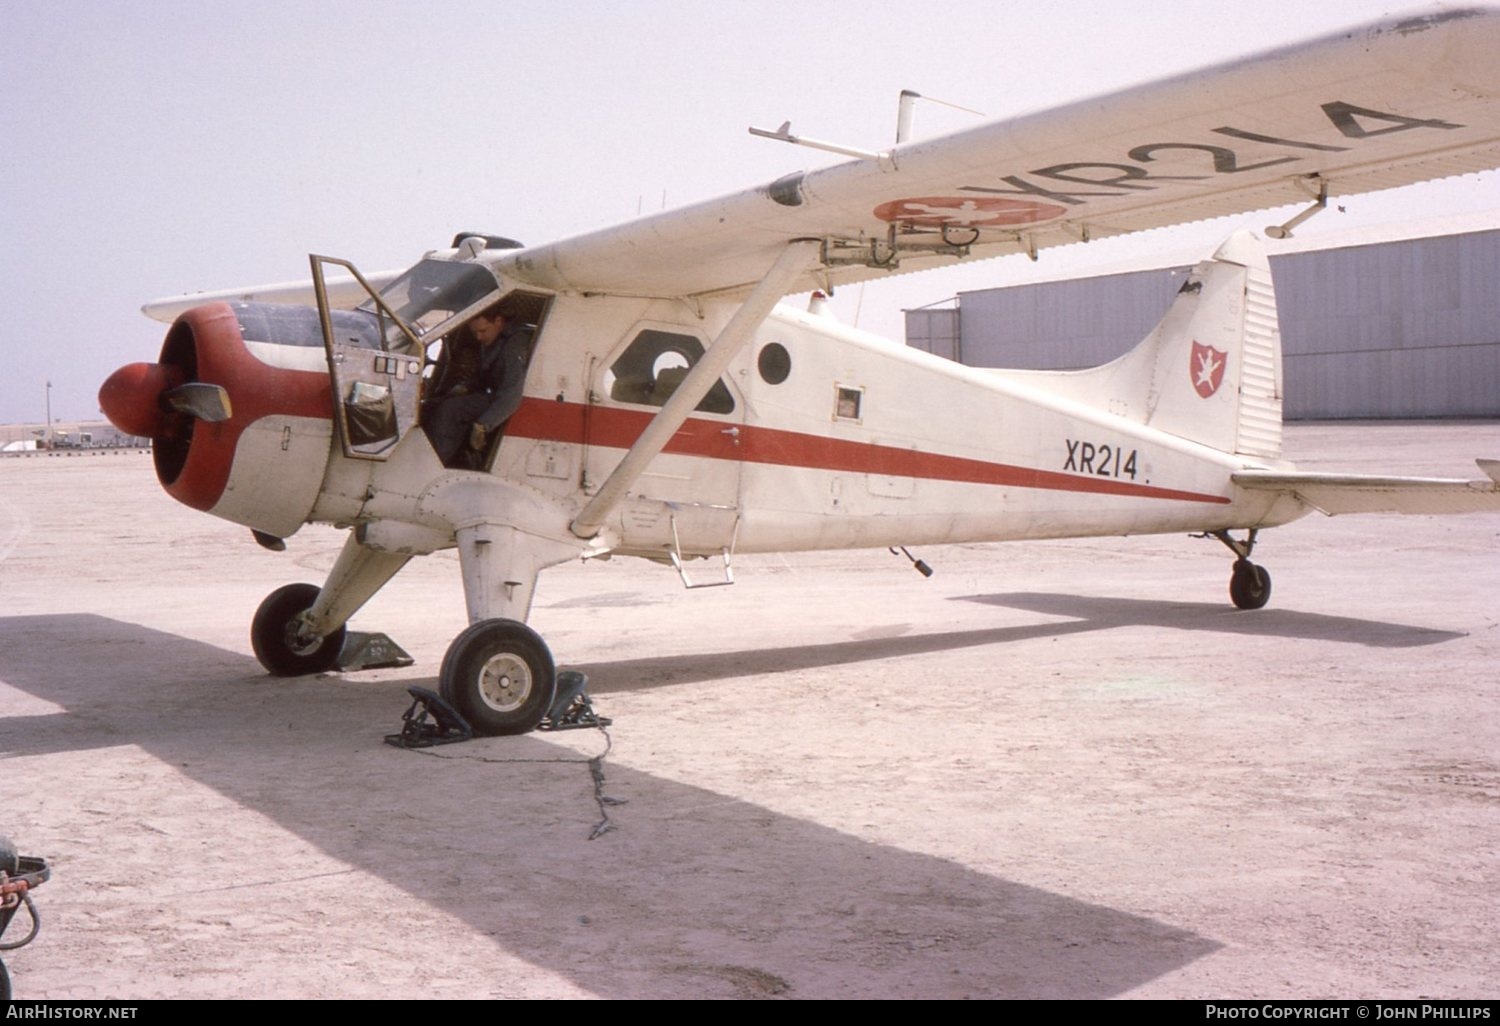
<point>47,436</point>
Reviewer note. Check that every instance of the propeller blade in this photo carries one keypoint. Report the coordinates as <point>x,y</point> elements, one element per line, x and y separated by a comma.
<point>203,401</point>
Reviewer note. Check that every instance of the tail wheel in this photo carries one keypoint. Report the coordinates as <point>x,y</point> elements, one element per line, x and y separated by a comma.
<point>1249,585</point>
<point>499,674</point>
<point>277,638</point>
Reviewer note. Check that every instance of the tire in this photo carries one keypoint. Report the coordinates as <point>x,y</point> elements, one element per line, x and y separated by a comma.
<point>499,674</point>
<point>274,640</point>
<point>1249,585</point>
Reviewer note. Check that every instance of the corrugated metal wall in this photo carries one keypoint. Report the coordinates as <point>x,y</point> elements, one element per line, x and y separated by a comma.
<point>1403,329</point>
<point>1394,329</point>
<point>936,331</point>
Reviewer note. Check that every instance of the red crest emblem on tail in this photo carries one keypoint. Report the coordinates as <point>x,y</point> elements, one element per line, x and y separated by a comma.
<point>1207,369</point>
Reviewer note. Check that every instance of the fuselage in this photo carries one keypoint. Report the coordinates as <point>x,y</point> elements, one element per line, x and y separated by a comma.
<point>819,436</point>
<point>864,442</point>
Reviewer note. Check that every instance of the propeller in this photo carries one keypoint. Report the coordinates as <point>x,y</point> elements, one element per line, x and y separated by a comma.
<point>148,400</point>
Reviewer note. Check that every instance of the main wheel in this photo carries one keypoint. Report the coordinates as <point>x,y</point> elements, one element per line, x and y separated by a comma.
<point>500,675</point>
<point>273,635</point>
<point>1249,585</point>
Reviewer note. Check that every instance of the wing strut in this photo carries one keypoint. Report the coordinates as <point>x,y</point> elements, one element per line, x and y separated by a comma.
<point>757,306</point>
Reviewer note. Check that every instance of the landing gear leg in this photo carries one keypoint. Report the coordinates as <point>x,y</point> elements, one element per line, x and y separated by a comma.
<point>499,673</point>
<point>1249,584</point>
<point>299,629</point>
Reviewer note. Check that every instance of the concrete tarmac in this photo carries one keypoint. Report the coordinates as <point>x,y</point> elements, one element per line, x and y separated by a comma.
<point>1059,769</point>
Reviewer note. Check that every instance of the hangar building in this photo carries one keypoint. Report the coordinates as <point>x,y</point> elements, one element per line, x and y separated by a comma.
<point>1386,322</point>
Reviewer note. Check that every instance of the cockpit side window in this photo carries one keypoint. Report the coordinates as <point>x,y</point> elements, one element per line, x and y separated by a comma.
<point>654,365</point>
<point>436,285</point>
<point>429,295</point>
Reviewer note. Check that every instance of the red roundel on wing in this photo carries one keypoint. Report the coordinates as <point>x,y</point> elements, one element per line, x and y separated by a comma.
<point>967,212</point>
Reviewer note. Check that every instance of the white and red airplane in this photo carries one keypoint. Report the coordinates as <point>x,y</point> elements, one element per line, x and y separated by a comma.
<point>673,410</point>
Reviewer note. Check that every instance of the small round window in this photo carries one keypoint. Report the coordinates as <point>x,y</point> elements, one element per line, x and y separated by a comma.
<point>775,363</point>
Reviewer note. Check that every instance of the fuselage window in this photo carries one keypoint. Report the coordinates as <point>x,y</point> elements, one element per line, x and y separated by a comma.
<point>775,363</point>
<point>847,402</point>
<point>654,366</point>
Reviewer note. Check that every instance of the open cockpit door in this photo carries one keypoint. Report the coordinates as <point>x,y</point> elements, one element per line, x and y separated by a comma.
<point>376,351</point>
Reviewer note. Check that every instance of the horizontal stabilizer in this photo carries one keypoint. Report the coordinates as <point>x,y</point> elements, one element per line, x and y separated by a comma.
<point>1371,493</point>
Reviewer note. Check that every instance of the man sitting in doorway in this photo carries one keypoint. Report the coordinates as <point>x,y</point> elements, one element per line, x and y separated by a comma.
<point>477,385</point>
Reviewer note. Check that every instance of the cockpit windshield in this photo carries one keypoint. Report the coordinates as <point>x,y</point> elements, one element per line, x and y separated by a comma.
<point>430,297</point>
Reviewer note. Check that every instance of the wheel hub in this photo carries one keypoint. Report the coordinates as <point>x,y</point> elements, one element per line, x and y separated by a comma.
<point>300,640</point>
<point>505,682</point>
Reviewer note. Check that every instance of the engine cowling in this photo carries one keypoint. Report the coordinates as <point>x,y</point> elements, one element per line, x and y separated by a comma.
<point>239,411</point>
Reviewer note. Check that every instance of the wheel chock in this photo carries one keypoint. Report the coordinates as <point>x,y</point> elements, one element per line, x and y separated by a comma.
<point>447,727</point>
<point>374,651</point>
<point>571,707</point>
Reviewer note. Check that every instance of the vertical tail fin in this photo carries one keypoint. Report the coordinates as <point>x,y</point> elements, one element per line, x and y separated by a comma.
<point>1217,378</point>
<point>1211,369</point>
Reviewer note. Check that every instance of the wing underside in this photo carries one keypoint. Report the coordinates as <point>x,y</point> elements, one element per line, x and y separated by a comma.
<point>1388,104</point>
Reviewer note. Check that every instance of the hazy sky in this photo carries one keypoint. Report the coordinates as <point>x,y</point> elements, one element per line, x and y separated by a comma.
<point>148,149</point>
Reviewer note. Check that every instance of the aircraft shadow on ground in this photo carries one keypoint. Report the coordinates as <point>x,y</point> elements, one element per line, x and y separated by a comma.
<point>793,907</point>
<point>1094,612</point>
<point>1085,614</point>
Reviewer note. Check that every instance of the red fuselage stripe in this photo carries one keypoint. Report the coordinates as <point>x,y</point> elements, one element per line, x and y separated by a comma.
<point>618,429</point>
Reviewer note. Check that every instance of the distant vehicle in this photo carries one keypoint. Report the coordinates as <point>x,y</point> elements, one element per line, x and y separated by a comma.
<point>672,410</point>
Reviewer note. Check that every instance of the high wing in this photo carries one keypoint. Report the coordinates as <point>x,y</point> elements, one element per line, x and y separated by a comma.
<point>1390,103</point>
<point>1363,493</point>
<point>343,292</point>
